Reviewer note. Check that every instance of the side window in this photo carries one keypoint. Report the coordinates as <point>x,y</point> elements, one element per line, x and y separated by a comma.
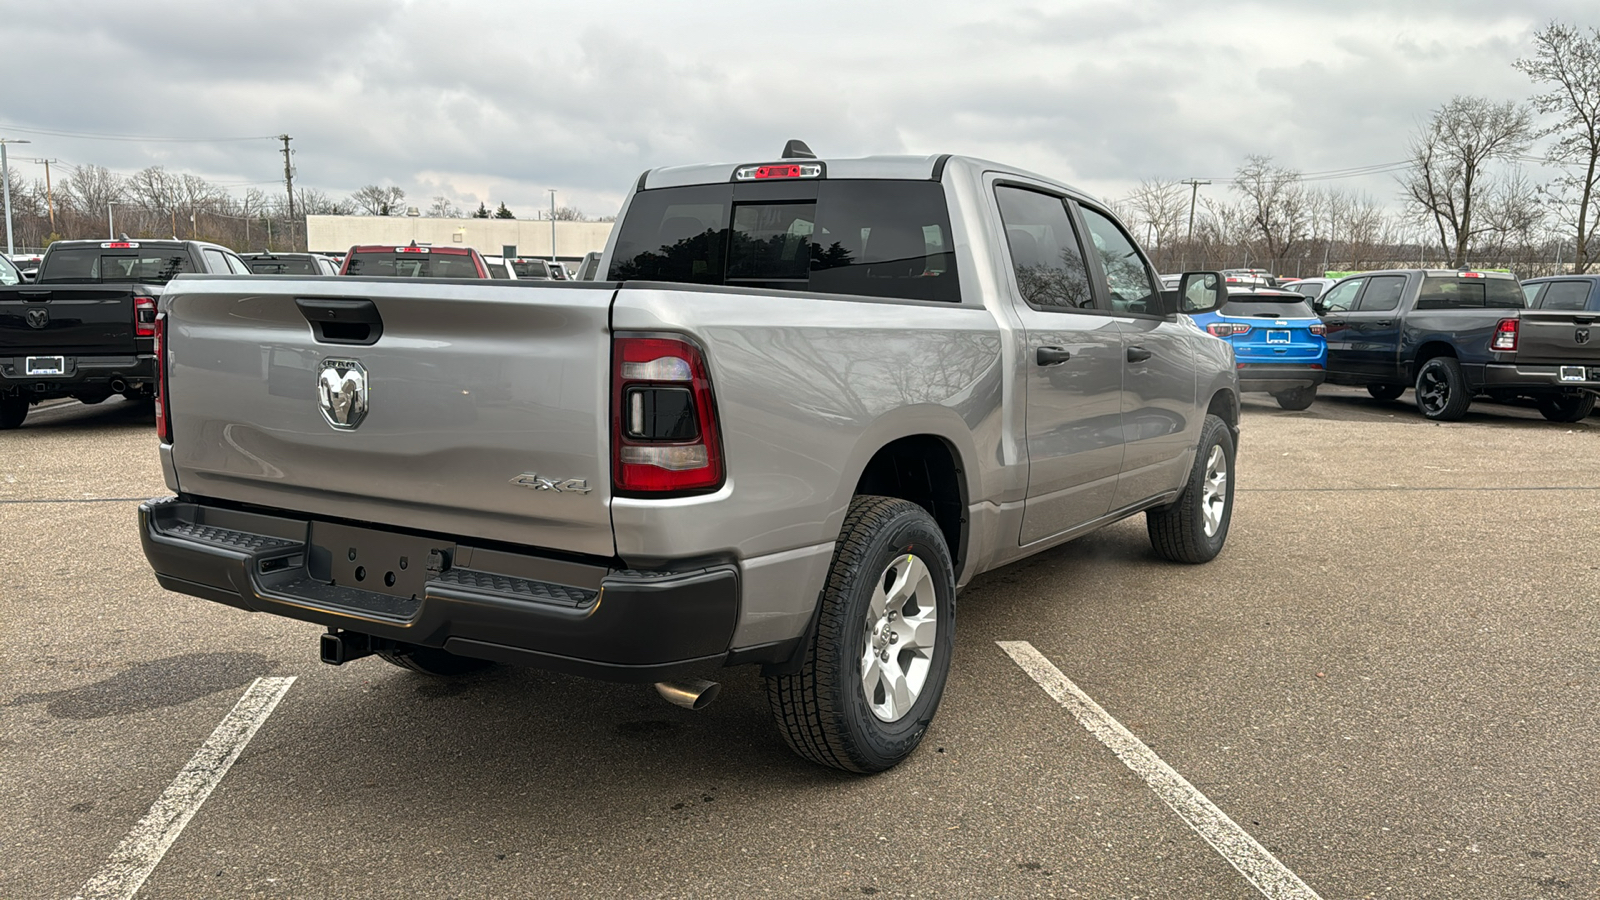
<point>1342,296</point>
<point>1045,254</point>
<point>1127,277</point>
<point>1382,294</point>
<point>236,264</point>
<point>1530,294</point>
<point>1565,295</point>
<point>216,263</point>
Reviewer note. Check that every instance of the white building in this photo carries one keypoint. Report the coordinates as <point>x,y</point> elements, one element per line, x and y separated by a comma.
<point>531,237</point>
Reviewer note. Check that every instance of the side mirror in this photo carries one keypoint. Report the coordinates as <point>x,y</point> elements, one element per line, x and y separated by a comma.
<point>1201,292</point>
<point>1318,307</point>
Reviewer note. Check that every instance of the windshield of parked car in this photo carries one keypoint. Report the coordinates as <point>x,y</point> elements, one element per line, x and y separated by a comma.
<point>281,265</point>
<point>1458,292</point>
<point>863,237</point>
<point>143,265</point>
<point>393,264</point>
<point>530,269</point>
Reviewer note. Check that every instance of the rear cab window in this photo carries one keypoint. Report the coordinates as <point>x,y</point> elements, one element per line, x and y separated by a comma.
<point>129,263</point>
<point>1468,292</point>
<point>406,262</point>
<point>874,238</point>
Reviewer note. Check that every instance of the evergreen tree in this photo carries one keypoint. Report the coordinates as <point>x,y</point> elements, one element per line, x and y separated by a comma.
<point>502,212</point>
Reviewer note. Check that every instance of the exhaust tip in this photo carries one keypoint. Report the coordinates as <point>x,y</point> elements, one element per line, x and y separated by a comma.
<point>118,385</point>
<point>693,694</point>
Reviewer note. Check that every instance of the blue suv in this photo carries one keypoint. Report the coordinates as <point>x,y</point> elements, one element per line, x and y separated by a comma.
<point>1280,345</point>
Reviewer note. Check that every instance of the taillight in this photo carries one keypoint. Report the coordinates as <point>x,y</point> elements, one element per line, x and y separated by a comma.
<point>1505,336</point>
<point>763,173</point>
<point>144,316</point>
<point>1228,329</point>
<point>663,418</point>
<point>163,414</point>
<point>1319,328</point>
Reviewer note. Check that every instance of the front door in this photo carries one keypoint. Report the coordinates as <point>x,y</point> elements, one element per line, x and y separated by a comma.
<point>1158,377</point>
<point>1335,307</point>
<point>1073,365</point>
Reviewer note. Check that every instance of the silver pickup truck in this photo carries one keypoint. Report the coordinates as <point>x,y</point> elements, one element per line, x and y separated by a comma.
<point>811,400</point>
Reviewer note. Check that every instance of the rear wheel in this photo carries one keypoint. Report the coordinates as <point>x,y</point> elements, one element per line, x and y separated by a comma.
<point>12,411</point>
<point>1566,407</point>
<point>1441,390</point>
<point>1386,391</point>
<point>1193,529</point>
<point>1299,398</point>
<point>876,667</point>
<point>433,661</point>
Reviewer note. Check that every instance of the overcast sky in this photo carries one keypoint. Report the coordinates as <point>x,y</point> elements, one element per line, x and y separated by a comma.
<point>500,101</point>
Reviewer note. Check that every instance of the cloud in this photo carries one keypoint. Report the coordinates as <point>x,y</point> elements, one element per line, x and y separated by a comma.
<point>500,101</point>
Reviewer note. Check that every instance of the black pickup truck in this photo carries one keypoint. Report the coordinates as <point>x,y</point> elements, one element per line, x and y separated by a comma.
<point>1455,335</point>
<point>86,328</point>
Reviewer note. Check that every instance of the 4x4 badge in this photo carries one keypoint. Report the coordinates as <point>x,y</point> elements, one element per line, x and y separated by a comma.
<point>559,485</point>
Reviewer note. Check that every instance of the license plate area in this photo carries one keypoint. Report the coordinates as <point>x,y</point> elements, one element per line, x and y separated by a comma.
<point>1574,373</point>
<point>45,365</point>
<point>1277,337</point>
<point>395,564</point>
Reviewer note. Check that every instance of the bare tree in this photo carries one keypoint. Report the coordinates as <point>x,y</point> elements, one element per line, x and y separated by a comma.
<point>1448,158</point>
<point>312,202</point>
<point>379,201</point>
<point>1162,207</point>
<point>442,208</point>
<point>1273,204</point>
<point>1513,218</point>
<point>1568,61</point>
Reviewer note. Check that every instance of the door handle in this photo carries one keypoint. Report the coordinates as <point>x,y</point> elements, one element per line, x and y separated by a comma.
<point>1384,322</point>
<point>1051,356</point>
<point>1138,354</point>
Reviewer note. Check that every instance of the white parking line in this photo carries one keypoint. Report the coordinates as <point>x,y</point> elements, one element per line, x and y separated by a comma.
<point>136,857</point>
<point>1271,877</point>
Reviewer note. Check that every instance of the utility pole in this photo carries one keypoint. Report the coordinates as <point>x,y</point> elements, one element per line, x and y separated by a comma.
<point>5,174</point>
<point>111,222</point>
<point>288,183</point>
<point>1194,193</point>
<point>552,224</point>
<point>49,192</point>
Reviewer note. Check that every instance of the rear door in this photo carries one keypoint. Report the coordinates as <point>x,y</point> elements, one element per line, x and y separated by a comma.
<point>1073,359</point>
<point>474,395</point>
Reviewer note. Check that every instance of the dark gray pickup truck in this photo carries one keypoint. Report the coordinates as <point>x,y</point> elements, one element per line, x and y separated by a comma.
<point>1455,335</point>
<point>86,328</point>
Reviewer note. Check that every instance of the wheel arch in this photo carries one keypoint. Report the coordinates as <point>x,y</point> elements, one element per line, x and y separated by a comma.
<point>1430,349</point>
<point>927,467</point>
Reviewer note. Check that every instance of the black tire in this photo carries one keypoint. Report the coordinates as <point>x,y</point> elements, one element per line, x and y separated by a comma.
<point>1442,393</point>
<point>1386,391</point>
<point>824,712</point>
<point>12,411</point>
<point>1180,531</point>
<point>435,662</point>
<point>1297,399</point>
<point>1566,407</point>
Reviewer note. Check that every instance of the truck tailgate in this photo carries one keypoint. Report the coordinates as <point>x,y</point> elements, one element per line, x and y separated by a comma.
<point>480,400</point>
<point>1554,337</point>
<point>72,320</point>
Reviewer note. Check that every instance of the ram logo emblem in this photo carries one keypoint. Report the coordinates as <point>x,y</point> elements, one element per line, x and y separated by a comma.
<point>536,482</point>
<point>1581,335</point>
<point>38,318</point>
<point>342,392</point>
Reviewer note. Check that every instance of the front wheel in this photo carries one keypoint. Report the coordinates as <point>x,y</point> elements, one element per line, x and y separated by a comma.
<point>1297,399</point>
<point>876,667</point>
<point>1193,529</point>
<point>1442,390</point>
<point>12,411</point>
<point>1566,407</point>
<point>1386,391</point>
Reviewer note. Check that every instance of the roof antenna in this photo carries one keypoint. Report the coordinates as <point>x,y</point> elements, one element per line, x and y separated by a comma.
<point>797,149</point>
<point>124,237</point>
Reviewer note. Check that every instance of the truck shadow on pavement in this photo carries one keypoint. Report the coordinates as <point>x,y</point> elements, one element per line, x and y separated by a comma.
<point>152,685</point>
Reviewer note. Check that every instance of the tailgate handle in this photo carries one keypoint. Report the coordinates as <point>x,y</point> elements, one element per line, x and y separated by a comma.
<point>35,295</point>
<point>342,321</point>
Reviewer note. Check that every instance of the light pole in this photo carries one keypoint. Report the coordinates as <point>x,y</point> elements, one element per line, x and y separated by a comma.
<point>5,174</point>
<point>552,224</point>
<point>111,222</point>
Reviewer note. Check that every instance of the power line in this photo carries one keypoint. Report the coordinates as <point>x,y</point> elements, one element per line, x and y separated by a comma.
<point>94,136</point>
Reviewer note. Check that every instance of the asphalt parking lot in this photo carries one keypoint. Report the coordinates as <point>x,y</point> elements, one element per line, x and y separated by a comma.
<point>1388,680</point>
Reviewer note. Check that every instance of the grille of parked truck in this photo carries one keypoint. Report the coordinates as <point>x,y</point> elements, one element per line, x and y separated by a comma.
<point>809,400</point>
